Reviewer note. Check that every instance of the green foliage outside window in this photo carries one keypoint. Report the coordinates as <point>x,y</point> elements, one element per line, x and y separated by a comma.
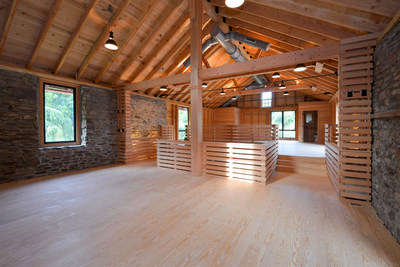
<point>183,120</point>
<point>59,115</point>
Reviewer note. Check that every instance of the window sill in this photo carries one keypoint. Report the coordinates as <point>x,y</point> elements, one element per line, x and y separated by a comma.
<point>61,146</point>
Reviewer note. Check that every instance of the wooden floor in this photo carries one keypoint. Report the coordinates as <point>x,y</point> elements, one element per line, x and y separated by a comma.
<point>143,216</point>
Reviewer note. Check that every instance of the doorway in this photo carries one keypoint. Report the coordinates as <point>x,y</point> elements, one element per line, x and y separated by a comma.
<point>310,126</point>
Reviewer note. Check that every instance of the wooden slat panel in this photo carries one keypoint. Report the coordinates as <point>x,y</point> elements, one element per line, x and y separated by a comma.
<point>175,155</point>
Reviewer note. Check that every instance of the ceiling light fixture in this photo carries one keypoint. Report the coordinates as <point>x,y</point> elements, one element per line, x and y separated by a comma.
<point>204,85</point>
<point>222,92</point>
<point>276,75</point>
<point>286,93</point>
<point>282,85</point>
<point>234,98</point>
<point>163,88</point>
<point>110,43</point>
<point>234,3</point>
<point>300,67</point>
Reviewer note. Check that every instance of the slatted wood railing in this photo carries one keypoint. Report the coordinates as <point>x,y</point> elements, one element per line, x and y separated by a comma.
<point>144,148</point>
<point>332,155</point>
<point>167,132</point>
<point>175,155</point>
<point>255,162</point>
<point>237,133</point>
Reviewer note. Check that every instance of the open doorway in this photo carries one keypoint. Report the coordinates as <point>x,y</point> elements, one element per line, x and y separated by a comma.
<point>183,120</point>
<point>310,126</point>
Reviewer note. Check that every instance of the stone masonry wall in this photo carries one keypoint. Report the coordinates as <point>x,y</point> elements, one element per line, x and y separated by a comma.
<point>21,156</point>
<point>386,132</point>
<point>147,113</point>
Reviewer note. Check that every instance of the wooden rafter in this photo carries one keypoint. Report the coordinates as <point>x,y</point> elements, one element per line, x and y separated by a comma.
<point>140,47</point>
<point>339,17</point>
<point>160,45</point>
<point>102,39</point>
<point>74,36</point>
<point>215,17</point>
<point>43,32</point>
<point>151,4</point>
<point>7,23</point>
<point>281,16</point>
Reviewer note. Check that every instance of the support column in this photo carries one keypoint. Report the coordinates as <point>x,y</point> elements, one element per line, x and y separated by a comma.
<point>196,104</point>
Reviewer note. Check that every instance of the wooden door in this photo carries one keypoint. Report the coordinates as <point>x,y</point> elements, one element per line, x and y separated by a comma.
<point>310,126</point>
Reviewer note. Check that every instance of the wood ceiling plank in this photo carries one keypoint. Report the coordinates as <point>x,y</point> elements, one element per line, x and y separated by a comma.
<point>139,47</point>
<point>43,32</point>
<point>102,38</point>
<point>74,35</point>
<point>386,8</point>
<point>363,25</point>
<point>151,4</point>
<point>156,50</point>
<point>271,25</point>
<point>7,23</point>
<point>215,17</point>
<point>281,16</point>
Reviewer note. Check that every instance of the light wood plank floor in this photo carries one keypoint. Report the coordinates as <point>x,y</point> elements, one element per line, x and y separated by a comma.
<point>143,216</point>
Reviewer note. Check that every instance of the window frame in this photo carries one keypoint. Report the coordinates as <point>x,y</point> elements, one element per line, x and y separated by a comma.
<point>187,110</point>
<point>77,140</point>
<point>283,124</point>
<point>262,99</point>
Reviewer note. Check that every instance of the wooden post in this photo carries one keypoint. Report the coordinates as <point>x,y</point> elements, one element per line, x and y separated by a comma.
<point>124,126</point>
<point>195,83</point>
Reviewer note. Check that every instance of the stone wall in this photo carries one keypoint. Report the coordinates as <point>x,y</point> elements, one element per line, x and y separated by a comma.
<point>147,114</point>
<point>21,156</point>
<point>386,132</point>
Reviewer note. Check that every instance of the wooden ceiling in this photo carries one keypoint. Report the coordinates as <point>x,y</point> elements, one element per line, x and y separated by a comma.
<point>66,37</point>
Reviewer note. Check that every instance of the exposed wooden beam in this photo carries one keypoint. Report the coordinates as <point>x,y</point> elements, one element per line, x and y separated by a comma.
<point>74,35</point>
<point>143,44</point>
<point>178,26</point>
<point>102,38</point>
<point>215,17</point>
<point>247,68</point>
<point>393,23</point>
<point>151,4</point>
<point>43,32</point>
<point>12,8</point>
<point>55,77</point>
<point>340,18</point>
<point>262,65</point>
<point>281,16</point>
<point>196,104</point>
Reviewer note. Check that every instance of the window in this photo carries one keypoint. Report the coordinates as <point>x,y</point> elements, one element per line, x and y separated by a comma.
<point>183,120</point>
<point>266,99</point>
<point>58,115</point>
<point>286,121</point>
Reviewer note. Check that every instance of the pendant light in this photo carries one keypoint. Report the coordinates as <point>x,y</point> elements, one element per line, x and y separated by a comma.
<point>282,85</point>
<point>300,67</point>
<point>163,88</point>
<point>234,3</point>
<point>204,85</point>
<point>276,75</point>
<point>286,93</point>
<point>234,98</point>
<point>222,92</point>
<point>110,43</point>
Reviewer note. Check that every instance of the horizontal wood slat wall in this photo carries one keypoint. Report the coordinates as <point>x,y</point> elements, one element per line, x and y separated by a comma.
<point>124,130</point>
<point>332,154</point>
<point>255,162</point>
<point>144,148</point>
<point>238,133</point>
<point>175,155</point>
<point>355,136</point>
<point>167,132</point>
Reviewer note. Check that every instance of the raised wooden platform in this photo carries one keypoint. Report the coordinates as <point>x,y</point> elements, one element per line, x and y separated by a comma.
<point>142,215</point>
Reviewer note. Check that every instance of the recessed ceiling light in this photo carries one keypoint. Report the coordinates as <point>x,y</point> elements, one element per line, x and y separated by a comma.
<point>234,3</point>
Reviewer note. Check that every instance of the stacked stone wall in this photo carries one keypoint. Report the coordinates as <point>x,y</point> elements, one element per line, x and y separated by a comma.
<point>386,132</point>
<point>21,156</point>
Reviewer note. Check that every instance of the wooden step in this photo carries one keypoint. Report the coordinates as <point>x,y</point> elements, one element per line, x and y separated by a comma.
<point>303,165</point>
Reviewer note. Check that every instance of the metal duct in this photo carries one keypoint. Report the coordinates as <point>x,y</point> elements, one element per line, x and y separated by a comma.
<point>207,44</point>
<point>247,40</point>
